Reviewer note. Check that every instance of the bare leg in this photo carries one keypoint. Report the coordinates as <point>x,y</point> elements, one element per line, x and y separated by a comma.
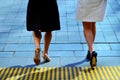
<point>94,30</point>
<point>89,33</point>
<point>47,40</point>
<point>37,38</point>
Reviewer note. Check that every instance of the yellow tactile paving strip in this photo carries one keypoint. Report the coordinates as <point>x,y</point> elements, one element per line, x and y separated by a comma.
<point>62,73</point>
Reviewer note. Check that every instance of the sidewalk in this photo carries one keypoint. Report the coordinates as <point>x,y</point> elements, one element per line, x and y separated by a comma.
<point>68,47</point>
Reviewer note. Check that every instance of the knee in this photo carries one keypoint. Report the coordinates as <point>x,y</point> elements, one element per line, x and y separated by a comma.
<point>87,25</point>
<point>37,33</point>
<point>49,33</point>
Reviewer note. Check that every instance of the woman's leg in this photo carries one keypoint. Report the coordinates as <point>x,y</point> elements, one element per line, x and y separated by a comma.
<point>94,30</point>
<point>37,39</point>
<point>89,34</point>
<point>47,40</point>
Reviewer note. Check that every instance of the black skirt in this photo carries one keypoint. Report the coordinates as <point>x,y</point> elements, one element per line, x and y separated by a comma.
<point>42,15</point>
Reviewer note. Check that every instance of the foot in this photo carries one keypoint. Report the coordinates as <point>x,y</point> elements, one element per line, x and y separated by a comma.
<point>37,56</point>
<point>46,57</point>
<point>93,60</point>
<point>88,56</point>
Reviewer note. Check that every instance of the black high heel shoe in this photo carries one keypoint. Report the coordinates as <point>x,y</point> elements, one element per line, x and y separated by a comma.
<point>88,56</point>
<point>93,60</point>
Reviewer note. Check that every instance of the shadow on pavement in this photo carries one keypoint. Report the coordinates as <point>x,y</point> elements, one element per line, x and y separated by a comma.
<point>77,63</point>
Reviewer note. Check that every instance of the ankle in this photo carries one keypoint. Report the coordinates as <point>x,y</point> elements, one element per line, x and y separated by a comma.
<point>44,53</point>
<point>37,50</point>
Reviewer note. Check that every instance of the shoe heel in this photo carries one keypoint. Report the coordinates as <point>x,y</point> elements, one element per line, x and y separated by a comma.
<point>93,61</point>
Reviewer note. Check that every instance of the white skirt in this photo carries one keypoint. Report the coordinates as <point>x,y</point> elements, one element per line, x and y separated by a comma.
<point>91,10</point>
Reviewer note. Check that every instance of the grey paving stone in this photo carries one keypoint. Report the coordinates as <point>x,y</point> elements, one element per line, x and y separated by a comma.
<point>2,46</point>
<point>113,20</point>
<point>24,54</point>
<point>6,54</point>
<point>13,39</point>
<point>24,40</point>
<point>115,28</point>
<point>100,37</point>
<point>118,35</point>
<point>19,47</point>
<point>105,22</point>
<point>17,62</point>
<point>62,37</point>
<point>111,53</point>
<point>4,35</point>
<point>66,47</point>
<point>5,29</point>
<point>5,62</point>
<point>61,53</point>
<point>74,37</point>
<point>108,61</point>
<point>110,36</point>
<point>98,47</point>
<point>81,53</point>
<point>106,27</point>
<point>115,47</point>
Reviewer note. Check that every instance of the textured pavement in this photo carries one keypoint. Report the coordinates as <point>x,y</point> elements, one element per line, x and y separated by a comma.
<point>68,46</point>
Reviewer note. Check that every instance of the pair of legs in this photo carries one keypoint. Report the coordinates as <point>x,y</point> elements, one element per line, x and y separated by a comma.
<point>90,33</point>
<point>47,39</point>
<point>37,40</point>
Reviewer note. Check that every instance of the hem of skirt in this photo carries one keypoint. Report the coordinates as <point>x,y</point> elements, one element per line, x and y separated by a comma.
<point>43,30</point>
<point>89,20</point>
